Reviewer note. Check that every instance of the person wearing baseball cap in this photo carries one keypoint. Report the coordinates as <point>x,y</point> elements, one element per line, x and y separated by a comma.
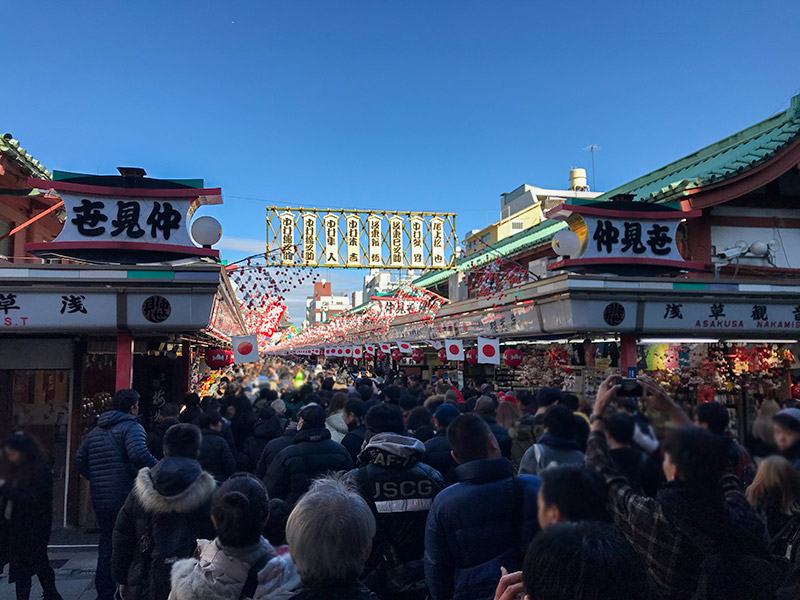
<point>786,429</point>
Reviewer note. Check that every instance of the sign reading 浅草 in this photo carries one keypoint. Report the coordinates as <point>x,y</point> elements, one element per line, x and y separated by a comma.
<point>359,238</point>
<point>721,315</point>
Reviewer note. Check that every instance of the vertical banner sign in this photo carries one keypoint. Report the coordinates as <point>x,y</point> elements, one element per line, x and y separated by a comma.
<point>353,235</point>
<point>331,223</point>
<point>417,245</point>
<point>437,242</point>
<point>396,241</point>
<point>287,238</point>
<point>309,239</point>
<point>375,242</point>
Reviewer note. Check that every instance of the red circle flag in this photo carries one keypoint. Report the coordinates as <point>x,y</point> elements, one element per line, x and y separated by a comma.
<point>488,350</point>
<point>453,349</point>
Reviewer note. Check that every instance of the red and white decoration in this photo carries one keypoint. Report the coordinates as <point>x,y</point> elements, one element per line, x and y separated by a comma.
<point>358,352</point>
<point>216,358</point>
<point>397,355</point>
<point>404,347</point>
<point>471,356</point>
<point>417,355</point>
<point>512,358</point>
<point>369,349</point>
<point>385,347</point>
<point>437,344</point>
<point>348,351</point>
<point>245,348</point>
<point>455,349</point>
<point>443,355</point>
<point>488,351</point>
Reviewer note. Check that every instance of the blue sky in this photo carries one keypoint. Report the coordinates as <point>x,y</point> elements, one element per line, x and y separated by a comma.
<point>410,105</point>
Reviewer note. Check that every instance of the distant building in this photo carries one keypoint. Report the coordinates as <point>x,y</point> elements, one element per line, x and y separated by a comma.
<point>525,207</point>
<point>324,305</point>
<point>381,282</point>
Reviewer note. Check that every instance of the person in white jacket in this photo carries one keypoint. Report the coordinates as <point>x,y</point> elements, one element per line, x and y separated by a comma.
<point>239,563</point>
<point>335,422</point>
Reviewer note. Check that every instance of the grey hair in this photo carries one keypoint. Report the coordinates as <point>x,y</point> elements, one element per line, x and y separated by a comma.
<point>279,406</point>
<point>330,532</point>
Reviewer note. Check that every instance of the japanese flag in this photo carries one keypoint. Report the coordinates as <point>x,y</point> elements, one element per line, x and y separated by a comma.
<point>437,345</point>
<point>455,349</point>
<point>348,351</point>
<point>404,347</point>
<point>369,349</point>
<point>339,350</point>
<point>245,348</point>
<point>488,351</point>
<point>358,352</point>
<point>385,347</point>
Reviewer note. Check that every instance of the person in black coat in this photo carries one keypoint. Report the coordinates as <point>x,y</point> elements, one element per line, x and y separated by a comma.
<point>167,417</point>
<point>27,498</point>
<point>486,407</point>
<point>243,420</point>
<point>354,412</point>
<point>191,409</point>
<point>168,509</point>
<point>273,448</point>
<point>437,449</point>
<point>215,454</point>
<point>110,457</point>
<point>311,454</point>
<point>267,428</point>
<point>400,490</point>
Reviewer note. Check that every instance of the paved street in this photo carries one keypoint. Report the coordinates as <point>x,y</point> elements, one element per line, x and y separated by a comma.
<point>74,557</point>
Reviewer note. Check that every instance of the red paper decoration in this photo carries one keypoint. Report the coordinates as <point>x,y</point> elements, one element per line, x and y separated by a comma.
<point>417,355</point>
<point>381,355</point>
<point>216,358</point>
<point>471,356</point>
<point>443,355</point>
<point>397,355</point>
<point>512,358</point>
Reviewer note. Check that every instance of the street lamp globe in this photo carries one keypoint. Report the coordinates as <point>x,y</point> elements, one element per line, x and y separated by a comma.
<point>206,231</point>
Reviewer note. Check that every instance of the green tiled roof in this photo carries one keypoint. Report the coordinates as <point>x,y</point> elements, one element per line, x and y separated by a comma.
<point>11,148</point>
<point>717,162</point>
<point>532,237</point>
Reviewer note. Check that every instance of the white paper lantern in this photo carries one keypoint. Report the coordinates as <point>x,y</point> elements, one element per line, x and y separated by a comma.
<point>206,231</point>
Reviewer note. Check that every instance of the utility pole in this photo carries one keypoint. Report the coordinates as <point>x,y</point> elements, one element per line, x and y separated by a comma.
<point>592,148</point>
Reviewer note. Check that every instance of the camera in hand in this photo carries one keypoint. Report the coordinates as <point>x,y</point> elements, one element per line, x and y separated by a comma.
<point>630,387</point>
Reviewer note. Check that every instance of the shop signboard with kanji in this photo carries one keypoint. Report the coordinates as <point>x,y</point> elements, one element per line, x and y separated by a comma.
<point>126,225</point>
<point>722,315</point>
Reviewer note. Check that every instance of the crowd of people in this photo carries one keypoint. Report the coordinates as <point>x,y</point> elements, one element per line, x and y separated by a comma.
<point>294,482</point>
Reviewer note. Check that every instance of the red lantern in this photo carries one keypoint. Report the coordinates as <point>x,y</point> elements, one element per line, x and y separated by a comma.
<point>471,356</point>
<point>417,355</point>
<point>443,355</point>
<point>381,355</point>
<point>512,358</point>
<point>397,355</point>
<point>796,391</point>
<point>216,358</point>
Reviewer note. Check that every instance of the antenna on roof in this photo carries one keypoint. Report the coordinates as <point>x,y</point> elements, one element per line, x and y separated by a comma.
<point>593,148</point>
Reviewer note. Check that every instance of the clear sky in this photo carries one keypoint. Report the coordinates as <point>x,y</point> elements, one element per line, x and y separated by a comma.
<point>409,105</point>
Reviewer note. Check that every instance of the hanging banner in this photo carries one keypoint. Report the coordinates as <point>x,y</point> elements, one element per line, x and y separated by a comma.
<point>331,225</point>
<point>455,349</point>
<point>417,243</point>
<point>437,242</point>
<point>309,239</point>
<point>287,238</point>
<point>358,352</point>
<point>488,351</point>
<point>369,349</point>
<point>437,345</point>
<point>353,241</point>
<point>404,347</point>
<point>396,242</point>
<point>385,347</point>
<point>375,241</point>
<point>372,239</point>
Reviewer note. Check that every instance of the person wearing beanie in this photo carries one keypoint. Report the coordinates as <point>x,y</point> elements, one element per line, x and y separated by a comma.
<point>437,449</point>
<point>786,429</point>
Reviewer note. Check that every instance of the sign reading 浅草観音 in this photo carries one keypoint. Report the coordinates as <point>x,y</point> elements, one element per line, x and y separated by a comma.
<point>721,315</point>
<point>124,219</point>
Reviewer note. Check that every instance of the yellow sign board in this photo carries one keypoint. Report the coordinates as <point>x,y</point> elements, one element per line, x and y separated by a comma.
<point>362,238</point>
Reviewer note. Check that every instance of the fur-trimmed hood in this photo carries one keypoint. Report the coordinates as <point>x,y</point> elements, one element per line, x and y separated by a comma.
<point>174,485</point>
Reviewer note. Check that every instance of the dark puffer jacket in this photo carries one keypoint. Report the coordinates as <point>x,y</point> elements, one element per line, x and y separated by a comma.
<point>400,490</point>
<point>167,511</point>
<point>476,520</point>
<point>273,448</point>
<point>111,456</point>
<point>311,454</point>
<point>354,439</point>
<point>216,456</point>
<point>501,435</point>
<point>155,439</point>
<point>265,431</point>
<point>437,455</point>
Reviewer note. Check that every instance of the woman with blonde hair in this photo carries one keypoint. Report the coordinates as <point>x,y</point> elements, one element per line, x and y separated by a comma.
<point>775,493</point>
